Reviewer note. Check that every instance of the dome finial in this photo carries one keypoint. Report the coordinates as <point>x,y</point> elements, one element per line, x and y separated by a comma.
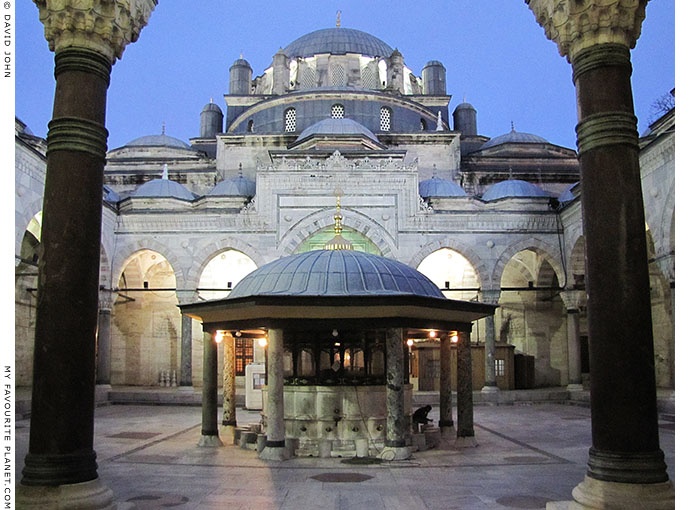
<point>433,173</point>
<point>165,172</point>
<point>239,170</point>
<point>338,242</point>
<point>241,56</point>
<point>512,125</point>
<point>439,122</point>
<point>163,129</point>
<point>211,101</point>
<point>337,18</point>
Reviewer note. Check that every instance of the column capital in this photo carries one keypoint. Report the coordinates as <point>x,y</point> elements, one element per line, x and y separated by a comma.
<point>577,25</point>
<point>106,299</point>
<point>490,296</point>
<point>104,26</point>
<point>573,299</point>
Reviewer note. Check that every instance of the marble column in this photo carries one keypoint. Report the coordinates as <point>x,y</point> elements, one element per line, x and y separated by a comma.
<point>491,297</point>
<point>229,396</point>
<point>209,395</point>
<point>396,422</point>
<point>465,434</point>
<point>274,405</point>
<point>186,322</point>
<point>626,467</point>
<point>60,468</point>
<point>103,347</point>
<point>572,300</point>
<point>445,422</point>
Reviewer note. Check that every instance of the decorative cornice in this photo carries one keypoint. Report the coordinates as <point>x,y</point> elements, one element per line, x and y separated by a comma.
<point>578,24</point>
<point>335,161</point>
<point>105,26</point>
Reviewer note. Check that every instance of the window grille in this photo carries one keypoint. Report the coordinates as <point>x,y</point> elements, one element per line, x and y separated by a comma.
<point>338,76</point>
<point>500,367</point>
<point>290,120</point>
<point>385,118</point>
<point>308,80</point>
<point>337,111</point>
<point>244,354</point>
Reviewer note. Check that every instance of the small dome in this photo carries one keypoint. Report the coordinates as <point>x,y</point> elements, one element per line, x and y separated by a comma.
<point>567,195</point>
<point>240,62</point>
<point>513,188</point>
<point>431,63</point>
<point>235,187</point>
<point>436,187</point>
<point>161,140</point>
<point>514,137</point>
<point>212,107</point>
<point>335,273</point>
<point>338,41</point>
<point>466,106</point>
<point>337,127</point>
<point>163,188</point>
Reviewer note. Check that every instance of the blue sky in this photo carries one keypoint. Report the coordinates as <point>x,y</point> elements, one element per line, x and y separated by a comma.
<point>495,54</point>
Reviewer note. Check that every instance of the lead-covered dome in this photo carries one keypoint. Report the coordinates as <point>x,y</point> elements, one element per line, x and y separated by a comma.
<point>163,188</point>
<point>513,188</point>
<point>161,140</point>
<point>337,127</point>
<point>335,273</point>
<point>338,41</point>
<point>514,137</point>
<point>436,187</point>
<point>235,187</point>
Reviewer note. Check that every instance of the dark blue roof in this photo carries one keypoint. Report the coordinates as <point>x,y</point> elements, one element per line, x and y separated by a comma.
<point>338,41</point>
<point>514,137</point>
<point>335,273</point>
<point>513,188</point>
<point>337,127</point>
<point>161,140</point>
<point>160,188</point>
<point>436,187</point>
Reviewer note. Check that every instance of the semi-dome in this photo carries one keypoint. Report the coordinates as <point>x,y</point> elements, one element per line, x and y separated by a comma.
<point>338,41</point>
<point>335,273</point>
<point>161,140</point>
<point>436,187</point>
<point>163,188</point>
<point>514,137</point>
<point>337,127</point>
<point>235,187</point>
<point>513,188</point>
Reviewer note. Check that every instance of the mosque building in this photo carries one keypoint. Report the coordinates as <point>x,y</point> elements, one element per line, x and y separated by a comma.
<point>338,126</point>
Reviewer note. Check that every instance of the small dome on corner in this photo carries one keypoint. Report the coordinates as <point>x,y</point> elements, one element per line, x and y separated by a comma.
<point>513,188</point>
<point>235,187</point>
<point>163,188</point>
<point>514,137</point>
<point>436,187</point>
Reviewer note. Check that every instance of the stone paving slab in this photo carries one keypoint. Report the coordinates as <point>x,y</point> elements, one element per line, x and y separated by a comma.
<point>527,455</point>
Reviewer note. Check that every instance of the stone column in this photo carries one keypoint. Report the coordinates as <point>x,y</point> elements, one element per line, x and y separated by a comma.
<point>87,37</point>
<point>103,352</point>
<point>465,435</point>
<point>209,395</point>
<point>274,405</point>
<point>626,467</point>
<point>491,297</point>
<point>185,378</point>
<point>571,300</point>
<point>446,393</point>
<point>229,399</point>
<point>396,422</point>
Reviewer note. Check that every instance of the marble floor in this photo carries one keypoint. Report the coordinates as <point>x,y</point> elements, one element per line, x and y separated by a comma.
<point>526,455</point>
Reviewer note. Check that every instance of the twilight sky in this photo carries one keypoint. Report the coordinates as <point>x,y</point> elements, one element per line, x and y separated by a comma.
<point>495,54</point>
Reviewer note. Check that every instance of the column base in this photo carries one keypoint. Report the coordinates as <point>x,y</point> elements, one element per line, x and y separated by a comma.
<point>91,495</point>
<point>228,433</point>
<point>448,432</point>
<point>490,389</point>
<point>274,453</point>
<point>594,494</point>
<point>186,389</point>
<point>391,453</point>
<point>209,441</point>
<point>575,387</point>
<point>466,442</point>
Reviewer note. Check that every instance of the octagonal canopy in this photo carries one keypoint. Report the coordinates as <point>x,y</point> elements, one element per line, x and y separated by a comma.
<point>335,273</point>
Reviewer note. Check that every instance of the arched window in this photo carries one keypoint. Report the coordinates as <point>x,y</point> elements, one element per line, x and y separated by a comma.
<point>337,111</point>
<point>422,124</point>
<point>385,116</point>
<point>250,126</point>
<point>290,120</point>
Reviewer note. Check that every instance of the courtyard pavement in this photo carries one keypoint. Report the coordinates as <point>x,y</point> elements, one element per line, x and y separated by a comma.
<point>527,455</point>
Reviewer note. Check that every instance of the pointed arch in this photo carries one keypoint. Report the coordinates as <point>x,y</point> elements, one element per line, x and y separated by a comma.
<point>213,248</point>
<point>548,251</point>
<point>130,249</point>
<point>477,262</point>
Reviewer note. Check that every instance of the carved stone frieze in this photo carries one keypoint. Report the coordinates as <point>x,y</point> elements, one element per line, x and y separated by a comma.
<point>105,26</point>
<point>578,24</point>
<point>335,161</point>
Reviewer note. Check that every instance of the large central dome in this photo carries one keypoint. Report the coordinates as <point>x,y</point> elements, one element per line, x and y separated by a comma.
<point>338,41</point>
